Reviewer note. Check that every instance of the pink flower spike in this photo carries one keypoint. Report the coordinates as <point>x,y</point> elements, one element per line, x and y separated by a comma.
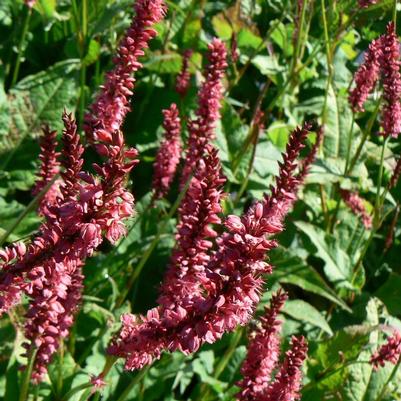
<point>184,77</point>
<point>201,129</point>
<point>49,168</point>
<point>198,211</point>
<point>366,76</point>
<point>390,69</point>
<point>388,352</point>
<point>229,286</point>
<point>107,113</point>
<point>263,352</point>
<point>287,383</point>
<point>168,156</point>
<point>72,160</point>
<point>355,203</point>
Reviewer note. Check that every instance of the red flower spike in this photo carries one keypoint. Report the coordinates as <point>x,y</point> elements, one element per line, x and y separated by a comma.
<point>168,156</point>
<point>388,352</point>
<point>107,113</point>
<point>355,203</point>
<point>287,382</point>
<point>263,352</point>
<point>201,129</point>
<point>49,168</point>
<point>184,77</point>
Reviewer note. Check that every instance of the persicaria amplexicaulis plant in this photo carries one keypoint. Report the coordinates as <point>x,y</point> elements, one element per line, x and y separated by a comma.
<point>231,283</point>
<point>86,207</point>
<point>93,279</point>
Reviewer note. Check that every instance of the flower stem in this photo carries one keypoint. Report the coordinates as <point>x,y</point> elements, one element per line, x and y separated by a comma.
<point>25,27</point>
<point>24,393</point>
<point>76,390</point>
<point>138,377</point>
<point>152,246</point>
<point>28,209</point>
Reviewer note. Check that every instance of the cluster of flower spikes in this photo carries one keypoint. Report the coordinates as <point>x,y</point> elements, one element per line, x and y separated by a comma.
<point>263,352</point>
<point>169,154</point>
<point>355,203</point>
<point>49,168</point>
<point>112,104</point>
<point>201,129</point>
<point>263,359</point>
<point>382,58</point>
<point>184,77</point>
<point>230,285</point>
<point>198,211</point>
<point>49,269</point>
<point>390,351</point>
<point>143,339</point>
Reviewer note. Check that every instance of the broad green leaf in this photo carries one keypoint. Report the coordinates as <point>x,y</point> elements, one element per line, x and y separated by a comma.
<point>222,27</point>
<point>338,267</point>
<point>41,98</point>
<point>306,313</point>
<point>293,270</point>
<point>338,126</point>
<point>266,157</point>
<point>267,65</point>
<point>390,293</point>
<point>165,63</point>
<point>92,54</point>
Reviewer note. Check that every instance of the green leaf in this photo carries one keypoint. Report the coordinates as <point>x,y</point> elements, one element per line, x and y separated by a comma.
<point>390,293</point>
<point>293,270</point>
<point>338,126</point>
<point>267,65</point>
<point>41,98</point>
<point>338,267</point>
<point>92,54</point>
<point>306,313</point>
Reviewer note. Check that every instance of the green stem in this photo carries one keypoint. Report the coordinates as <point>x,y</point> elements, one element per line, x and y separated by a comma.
<point>395,14</point>
<point>31,206</point>
<point>379,183</point>
<point>59,386</point>
<point>299,38</point>
<point>136,272</point>
<point>82,42</point>
<point>376,216</point>
<point>110,361</point>
<point>140,375</point>
<point>24,394</point>
<point>385,387</point>
<point>86,395</point>
<point>364,138</point>
<point>313,383</point>
<point>204,390</point>
<point>21,45</point>
<point>76,390</point>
